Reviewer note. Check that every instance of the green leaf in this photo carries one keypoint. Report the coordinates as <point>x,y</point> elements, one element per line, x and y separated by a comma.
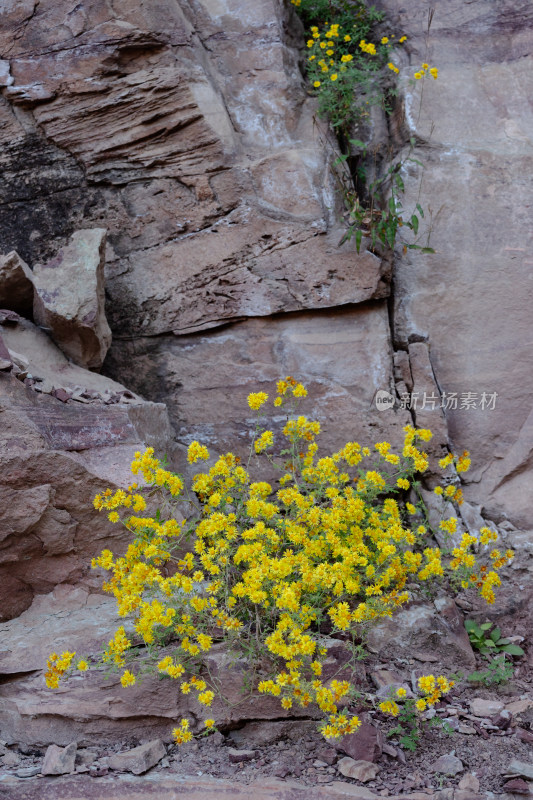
<point>428,250</point>
<point>420,210</point>
<point>358,143</point>
<point>358,238</point>
<point>502,642</point>
<point>476,676</point>
<point>470,625</point>
<point>489,643</point>
<point>495,634</point>
<point>513,650</point>
<point>414,223</point>
<point>486,626</point>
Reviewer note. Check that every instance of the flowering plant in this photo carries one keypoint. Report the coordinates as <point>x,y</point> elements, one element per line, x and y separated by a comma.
<point>272,571</point>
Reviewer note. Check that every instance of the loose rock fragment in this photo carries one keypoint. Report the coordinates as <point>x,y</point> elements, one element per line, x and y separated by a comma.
<point>59,760</point>
<point>448,765</point>
<point>27,772</point>
<point>520,768</point>
<point>359,770</point>
<point>366,744</point>
<point>69,298</point>
<point>469,782</point>
<point>517,786</point>
<point>238,756</point>
<point>139,759</point>
<point>485,708</point>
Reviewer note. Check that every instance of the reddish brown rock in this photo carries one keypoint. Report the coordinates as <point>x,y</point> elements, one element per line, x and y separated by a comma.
<point>366,744</point>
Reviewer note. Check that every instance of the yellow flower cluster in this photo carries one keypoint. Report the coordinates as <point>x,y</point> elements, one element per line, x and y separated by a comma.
<point>57,666</point>
<point>425,69</point>
<point>434,689</point>
<point>183,734</point>
<point>267,567</point>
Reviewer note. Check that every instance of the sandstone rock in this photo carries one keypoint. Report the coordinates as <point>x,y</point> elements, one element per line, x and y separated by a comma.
<point>469,782</point>
<point>349,790</point>
<point>448,765</point>
<point>485,708</point>
<point>259,734</point>
<point>434,626</point>
<point>359,770</point>
<point>517,786</point>
<point>140,759</point>
<point>366,744</point>
<point>238,756</point>
<point>16,284</point>
<point>69,298</point>
<point>59,760</point>
<point>198,787</point>
<point>55,458</point>
<point>10,759</point>
<point>27,772</point>
<point>328,755</point>
<point>465,311</point>
<point>208,378</point>
<point>520,768</point>
<point>518,707</point>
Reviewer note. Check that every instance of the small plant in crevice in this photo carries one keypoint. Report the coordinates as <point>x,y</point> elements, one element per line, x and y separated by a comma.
<point>350,68</point>
<point>272,572</point>
<point>382,214</point>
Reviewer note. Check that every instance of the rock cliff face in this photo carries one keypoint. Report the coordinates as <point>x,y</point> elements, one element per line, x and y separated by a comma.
<point>473,129</point>
<point>183,129</point>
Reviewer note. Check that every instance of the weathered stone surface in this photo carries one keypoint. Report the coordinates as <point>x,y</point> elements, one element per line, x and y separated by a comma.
<point>238,756</point>
<point>55,457</point>
<point>59,760</point>
<point>470,299</point>
<point>69,298</point>
<point>518,707</point>
<point>485,708</point>
<point>469,783</point>
<point>140,759</point>
<point>434,627</point>
<point>127,787</point>
<point>448,765</point>
<point>520,768</point>
<point>350,790</point>
<point>158,121</point>
<point>259,734</point>
<point>517,786</point>
<point>207,378</point>
<point>16,284</point>
<point>359,770</point>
